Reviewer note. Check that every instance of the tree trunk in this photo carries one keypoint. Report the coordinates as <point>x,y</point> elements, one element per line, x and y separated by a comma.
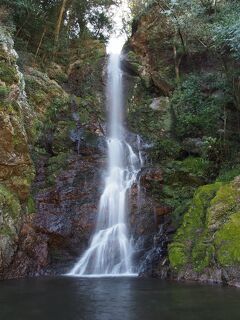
<point>177,62</point>
<point>59,21</point>
<point>41,40</point>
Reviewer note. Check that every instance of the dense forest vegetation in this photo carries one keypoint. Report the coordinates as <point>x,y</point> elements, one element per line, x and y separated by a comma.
<point>49,29</point>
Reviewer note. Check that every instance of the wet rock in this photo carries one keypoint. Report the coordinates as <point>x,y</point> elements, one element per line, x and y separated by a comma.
<point>66,216</point>
<point>154,262</point>
<point>150,224</point>
<point>151,179</point>
<point>151,174</point>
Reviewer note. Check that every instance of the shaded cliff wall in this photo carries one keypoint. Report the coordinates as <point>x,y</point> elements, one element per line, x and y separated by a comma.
<point>52,157</point>
<point>16,166</point>
<point>183,101</point>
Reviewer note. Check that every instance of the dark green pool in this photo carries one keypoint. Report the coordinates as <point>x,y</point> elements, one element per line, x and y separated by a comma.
<point>114,299</point>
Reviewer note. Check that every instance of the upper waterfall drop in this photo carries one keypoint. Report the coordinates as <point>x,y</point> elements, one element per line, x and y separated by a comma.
<point>110,251</point>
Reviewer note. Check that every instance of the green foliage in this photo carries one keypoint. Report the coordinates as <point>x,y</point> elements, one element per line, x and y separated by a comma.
<point>100,24</point>
<point>227,174</point>
<point>178,197</point>
<point>4,92</point>
<point>8,73</point>
<point>139,7</point>
<point>196,165</point>
<point>9,203</point>
<point>164,148</point>
<point>50,28</point>
<point>196,113</point>
<point>55,165</point>
<point>181,178</point>
<point>58,105</point>
<point>31,205</point>
<point>227,29</point>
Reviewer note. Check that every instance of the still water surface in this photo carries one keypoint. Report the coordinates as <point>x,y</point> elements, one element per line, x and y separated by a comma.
<point>114,299</point>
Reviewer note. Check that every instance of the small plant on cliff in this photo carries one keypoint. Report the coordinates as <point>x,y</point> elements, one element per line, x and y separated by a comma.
<point>4,91</point>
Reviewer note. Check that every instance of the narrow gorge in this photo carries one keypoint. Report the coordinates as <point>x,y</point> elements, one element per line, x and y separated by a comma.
<point>120,172</point>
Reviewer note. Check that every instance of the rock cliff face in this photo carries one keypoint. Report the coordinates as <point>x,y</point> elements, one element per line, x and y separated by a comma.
<point>52,158</point>
<point>52,239</point>
<point>206,246</point>
<point>16,167</point>
<point>192,233</point>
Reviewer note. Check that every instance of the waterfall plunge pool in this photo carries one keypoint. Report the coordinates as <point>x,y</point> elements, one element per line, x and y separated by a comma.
<point>67,298</point>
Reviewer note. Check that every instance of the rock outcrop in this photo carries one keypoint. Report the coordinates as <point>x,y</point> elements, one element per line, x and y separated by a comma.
<point>178,108</point>
<point>55,236</point>
<point>16,167</point>
<point>52,155</point>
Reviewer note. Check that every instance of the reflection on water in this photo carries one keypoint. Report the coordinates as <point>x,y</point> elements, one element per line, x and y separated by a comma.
<point>114,299</point>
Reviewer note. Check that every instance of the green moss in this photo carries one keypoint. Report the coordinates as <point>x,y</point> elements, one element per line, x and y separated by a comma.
<point>210,232</point>
<point>55,165</point>
<point>20,185</point>
<point>4,92</point>
<point>31,205</point>
<point>178,197</point>
<point>191,235</point>
<point>9,203</point>
<point>202,254</point>
<point>222,205</point>
<point>61,136</point>
<point>227,242</point>
<point>6,231</point>
<point>194,219</point>
<point>177,256</point>
<point>181,178</point>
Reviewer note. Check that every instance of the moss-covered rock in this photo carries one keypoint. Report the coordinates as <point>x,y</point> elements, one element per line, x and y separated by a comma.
<point>208,238</point>
<point>177,256</point>
<point>188,243</point>
<point>227,242</point>
<point>55,166</point>
<point>16,167</point>
<point>10,205</point>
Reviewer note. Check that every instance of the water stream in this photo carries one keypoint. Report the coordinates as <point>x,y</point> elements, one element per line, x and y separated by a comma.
<point>110,251</point>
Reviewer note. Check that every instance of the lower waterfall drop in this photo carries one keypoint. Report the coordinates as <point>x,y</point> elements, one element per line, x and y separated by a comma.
<point>110,251</point>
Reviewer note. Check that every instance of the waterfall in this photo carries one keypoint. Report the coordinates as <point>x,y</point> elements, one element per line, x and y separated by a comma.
<point>110,251</point>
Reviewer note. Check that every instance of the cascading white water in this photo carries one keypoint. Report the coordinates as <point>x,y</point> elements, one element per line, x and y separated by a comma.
<point>110,251</point>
